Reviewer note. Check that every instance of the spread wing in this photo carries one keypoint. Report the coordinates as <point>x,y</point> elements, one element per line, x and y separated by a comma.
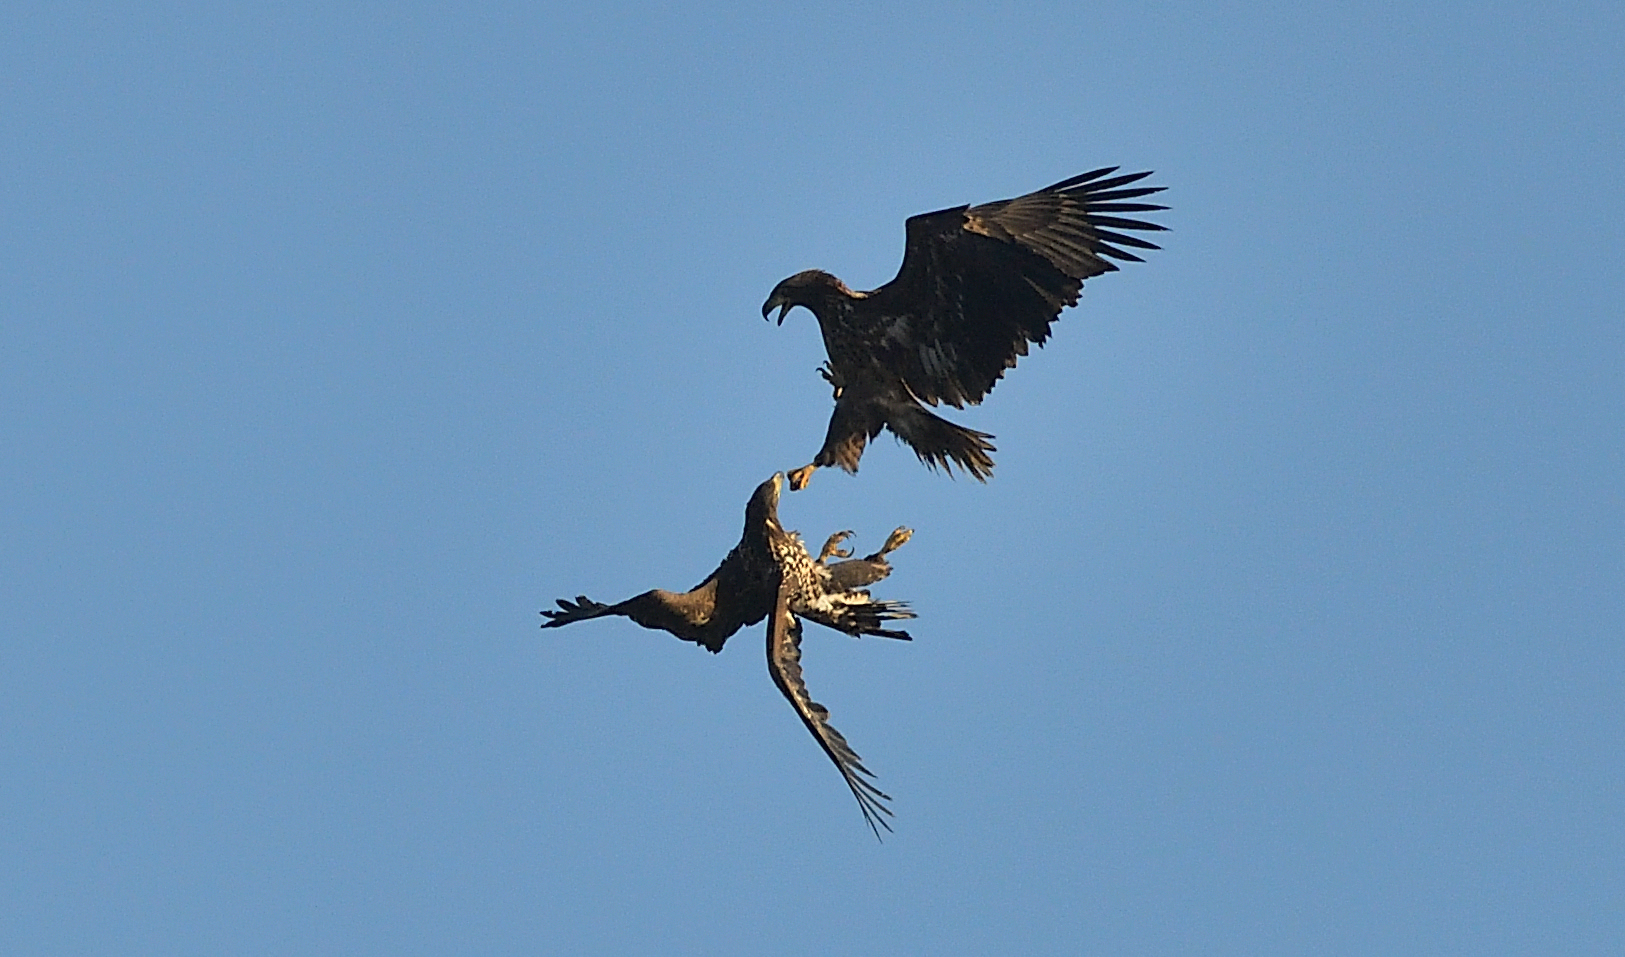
<point>784,664</point>
<point>707,615</point>
<point>978,283</point>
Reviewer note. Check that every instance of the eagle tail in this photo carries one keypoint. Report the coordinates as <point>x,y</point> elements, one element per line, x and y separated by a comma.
<point>940,444</point>
<point>871,615</point>
<point>858,615</point>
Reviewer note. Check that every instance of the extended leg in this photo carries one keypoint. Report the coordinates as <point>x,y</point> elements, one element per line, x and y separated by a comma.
<point>897,539</point>
<point>851,426</point>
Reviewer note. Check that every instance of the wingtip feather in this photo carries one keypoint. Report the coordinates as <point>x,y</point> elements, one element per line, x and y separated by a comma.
<point>1078,180</point>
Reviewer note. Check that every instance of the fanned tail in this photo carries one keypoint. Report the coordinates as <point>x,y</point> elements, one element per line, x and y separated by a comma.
<point>871,615</point>
<point>940,444</point>
<point>856,614</point>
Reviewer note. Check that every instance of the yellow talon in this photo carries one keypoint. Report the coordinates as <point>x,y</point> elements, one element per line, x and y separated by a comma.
<point>897,539</point>
<point>800,477</point>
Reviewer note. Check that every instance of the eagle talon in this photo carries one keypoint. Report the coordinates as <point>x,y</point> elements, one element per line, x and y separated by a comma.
<point>832,547</point>
<point>897,539</point>
<point>827,371</point>
<point>800,477</point>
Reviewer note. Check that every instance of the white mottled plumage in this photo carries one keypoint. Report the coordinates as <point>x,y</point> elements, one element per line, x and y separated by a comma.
<point>770,574</point>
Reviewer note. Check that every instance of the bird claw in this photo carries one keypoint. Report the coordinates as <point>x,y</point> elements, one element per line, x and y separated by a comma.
<point>827,371</point>
<point>832,547</point>
<point>800,477</point>
<point>897,539</point>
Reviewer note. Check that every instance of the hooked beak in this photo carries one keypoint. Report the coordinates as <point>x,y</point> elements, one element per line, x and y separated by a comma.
<point>782,305</point>
<point>773,497</point>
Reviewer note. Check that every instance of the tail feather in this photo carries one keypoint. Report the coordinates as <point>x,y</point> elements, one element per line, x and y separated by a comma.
<point>857,615</point>
<point>940,444</point>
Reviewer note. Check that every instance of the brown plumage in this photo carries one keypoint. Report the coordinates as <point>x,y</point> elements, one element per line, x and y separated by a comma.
<point>770,574</point>
<point>978,284</point>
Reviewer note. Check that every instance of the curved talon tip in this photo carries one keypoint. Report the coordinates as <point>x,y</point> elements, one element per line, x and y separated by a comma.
<point>832,547</point>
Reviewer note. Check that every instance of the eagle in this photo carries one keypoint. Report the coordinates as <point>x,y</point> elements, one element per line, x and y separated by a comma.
<point>977,285</point>
<point>770,574</point>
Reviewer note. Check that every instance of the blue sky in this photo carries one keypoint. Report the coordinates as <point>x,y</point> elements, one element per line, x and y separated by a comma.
<point>339,339</point>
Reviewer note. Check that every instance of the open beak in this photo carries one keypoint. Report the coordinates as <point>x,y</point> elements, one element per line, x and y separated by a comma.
<point>767,308</point>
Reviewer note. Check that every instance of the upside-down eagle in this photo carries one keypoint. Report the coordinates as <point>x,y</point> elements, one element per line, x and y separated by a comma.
<point>978,283</point>
<point>770,574</point>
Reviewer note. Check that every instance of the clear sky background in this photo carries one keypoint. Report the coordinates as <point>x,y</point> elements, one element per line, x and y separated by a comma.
<point>338,339</point>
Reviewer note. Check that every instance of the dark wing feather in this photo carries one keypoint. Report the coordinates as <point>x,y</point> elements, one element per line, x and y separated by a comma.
<point>978,284</point>
<point>707,615</point>
<point>784,664</point>
<point>569,611</point>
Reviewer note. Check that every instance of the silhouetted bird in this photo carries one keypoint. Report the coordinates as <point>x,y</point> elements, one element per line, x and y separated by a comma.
<point>770,574</point>
<point>977,285</point>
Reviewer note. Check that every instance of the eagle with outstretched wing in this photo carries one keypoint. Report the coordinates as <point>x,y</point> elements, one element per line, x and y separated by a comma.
<point>770,574</point>
<point>978,284</point>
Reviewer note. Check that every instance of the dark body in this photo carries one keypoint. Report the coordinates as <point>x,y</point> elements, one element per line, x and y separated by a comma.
<point>770,574</point>
<point>978,285</point>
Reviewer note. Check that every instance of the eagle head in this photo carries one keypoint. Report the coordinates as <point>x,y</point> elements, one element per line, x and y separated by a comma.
<point>809,288</point>
<point>764,502</point>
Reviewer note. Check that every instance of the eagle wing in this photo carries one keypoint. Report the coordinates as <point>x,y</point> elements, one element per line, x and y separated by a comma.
<point>708,614</point>
<point>784,664</point>
<point>978,283</point>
